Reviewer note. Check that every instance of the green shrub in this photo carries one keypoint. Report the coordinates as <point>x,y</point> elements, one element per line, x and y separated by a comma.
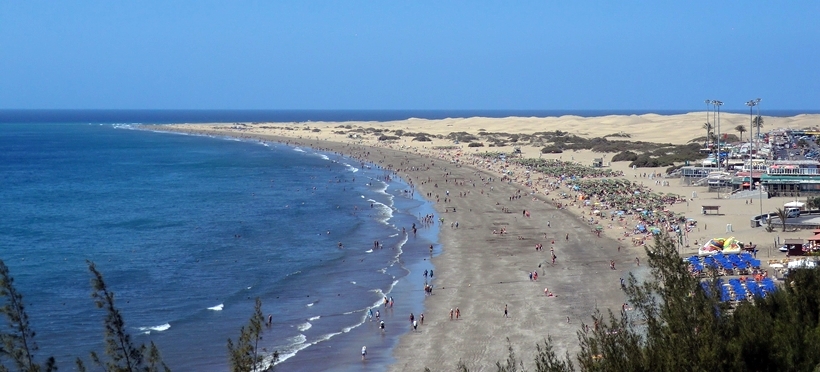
<point>552,149</point>
<point>625,156</point>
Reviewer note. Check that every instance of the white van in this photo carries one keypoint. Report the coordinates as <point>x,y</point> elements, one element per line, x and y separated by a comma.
<point>792,212</point>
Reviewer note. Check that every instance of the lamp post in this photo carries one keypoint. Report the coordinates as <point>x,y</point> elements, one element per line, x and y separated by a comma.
<point>760,197</point>
<point>751,104</point>
<point>717,106</point>
<point>716,143</point>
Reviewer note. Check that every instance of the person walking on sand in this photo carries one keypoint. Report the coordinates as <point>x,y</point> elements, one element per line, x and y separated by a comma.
<point>364,352</point>
<point>505,311</point>
<point>458,313</point>
<point>421,318</point>
<point>567,236</point>
<point>412,318</point>
<point>381,326</point>
<point>638,261</point>
<point>451,314</point>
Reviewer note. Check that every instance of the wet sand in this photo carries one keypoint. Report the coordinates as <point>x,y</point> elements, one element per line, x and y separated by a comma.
<point>479,272</point>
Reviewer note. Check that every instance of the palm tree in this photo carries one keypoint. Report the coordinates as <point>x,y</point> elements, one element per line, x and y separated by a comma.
<point>758,122</point>
<point>708,127</point>
<point>740,129</point>
<point>782,215</point>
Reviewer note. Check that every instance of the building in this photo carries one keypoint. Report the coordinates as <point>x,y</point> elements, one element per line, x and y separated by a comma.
<point>792,177</point>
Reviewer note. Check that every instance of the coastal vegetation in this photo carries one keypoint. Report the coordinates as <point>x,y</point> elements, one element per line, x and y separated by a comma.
<point>625,156</point>
<point>121,355</point>
<point>18,349</point>
<point>17,339</point>
<point>244,354</point>
<point>639,153</point>
<point>678,323</point>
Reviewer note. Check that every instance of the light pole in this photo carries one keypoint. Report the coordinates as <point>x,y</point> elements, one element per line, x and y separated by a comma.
<point>717,140</point>
<point>760,197</point>
<point>717,105</point>
<point>751,104</point>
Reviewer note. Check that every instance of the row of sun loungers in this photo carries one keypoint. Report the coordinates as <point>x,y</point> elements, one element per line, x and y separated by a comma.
<point>729,264</point>
<point>739,290</point>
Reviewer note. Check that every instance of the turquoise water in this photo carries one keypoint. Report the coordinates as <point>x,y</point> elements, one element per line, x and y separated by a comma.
<point>188,230</point>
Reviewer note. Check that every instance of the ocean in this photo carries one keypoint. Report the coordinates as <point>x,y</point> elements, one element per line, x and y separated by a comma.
<point>189,230</point>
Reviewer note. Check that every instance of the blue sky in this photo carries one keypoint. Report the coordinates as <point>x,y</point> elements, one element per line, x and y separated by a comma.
<point>539,55</point>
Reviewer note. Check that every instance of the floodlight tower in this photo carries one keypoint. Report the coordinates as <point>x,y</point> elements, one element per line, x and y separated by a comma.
<point>717,106</point>
<point>751,105</point>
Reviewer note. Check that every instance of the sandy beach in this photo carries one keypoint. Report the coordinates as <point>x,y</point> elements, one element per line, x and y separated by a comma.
<point>481,271</point>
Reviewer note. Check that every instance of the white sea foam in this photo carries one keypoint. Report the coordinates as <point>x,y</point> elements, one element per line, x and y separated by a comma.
<point>298,149</point>
<point>304,326</point>
<point>351,168</point>
<point>323,156</point>
<point>348,312</point>
<point>314,318</point>
<point>325,337</point>
<point>159,328</point>
<point>369,251</point>
<point>295,344</point>
<point>217,307</point>
<point>311,304</point>
<point>385,211</point>
<point>353,282</point>
<point>294,273</point>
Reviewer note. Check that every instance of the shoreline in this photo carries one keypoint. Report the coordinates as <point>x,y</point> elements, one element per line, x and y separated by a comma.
<point>480,282</point>
<point>406,289</point>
